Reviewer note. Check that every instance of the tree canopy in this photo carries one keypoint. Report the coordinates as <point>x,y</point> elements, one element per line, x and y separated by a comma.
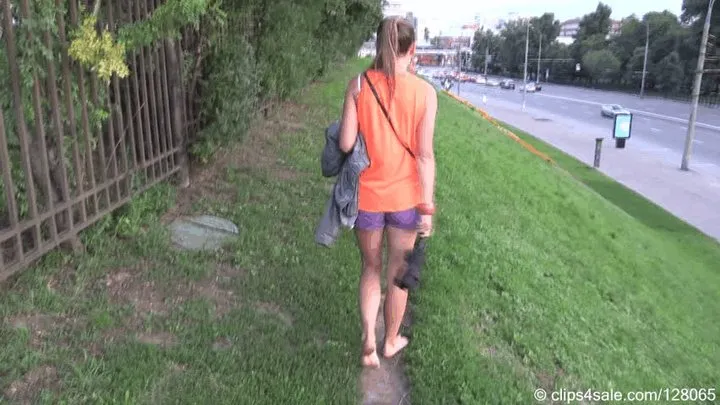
<point>607,57</point>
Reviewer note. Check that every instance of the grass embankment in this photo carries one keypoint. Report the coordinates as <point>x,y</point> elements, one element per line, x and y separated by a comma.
<point>647,212</point>
<point>536,281</point>
<point>532,280</point>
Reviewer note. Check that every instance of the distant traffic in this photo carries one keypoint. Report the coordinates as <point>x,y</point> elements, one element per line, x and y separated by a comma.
<point>449,77</point>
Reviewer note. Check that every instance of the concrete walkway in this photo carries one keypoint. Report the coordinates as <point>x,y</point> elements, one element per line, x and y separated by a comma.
<point>693,196</point>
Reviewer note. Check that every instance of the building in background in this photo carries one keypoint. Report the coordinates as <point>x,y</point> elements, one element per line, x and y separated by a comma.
<point>448,42</point>
<point>568,30</point>
<point>395,8</point>
<point>399,9</point>
<point>411,17</point>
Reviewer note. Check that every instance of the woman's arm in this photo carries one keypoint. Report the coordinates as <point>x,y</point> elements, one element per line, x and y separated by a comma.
<point>425,153</point>
<point>349,124</point>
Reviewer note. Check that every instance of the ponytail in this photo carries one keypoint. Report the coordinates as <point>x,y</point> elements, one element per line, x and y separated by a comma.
<point>395,35</point>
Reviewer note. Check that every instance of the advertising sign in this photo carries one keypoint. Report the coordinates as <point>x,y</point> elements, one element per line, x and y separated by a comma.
<point>623,126</point>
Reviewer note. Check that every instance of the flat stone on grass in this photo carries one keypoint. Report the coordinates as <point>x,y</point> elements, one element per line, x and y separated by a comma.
<point>204,232</point>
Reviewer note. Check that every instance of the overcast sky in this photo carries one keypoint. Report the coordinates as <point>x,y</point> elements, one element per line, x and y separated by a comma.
<point>449,15</point>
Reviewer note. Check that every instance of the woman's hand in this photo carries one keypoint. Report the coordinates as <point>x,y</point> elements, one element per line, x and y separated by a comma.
<point>425,226</point>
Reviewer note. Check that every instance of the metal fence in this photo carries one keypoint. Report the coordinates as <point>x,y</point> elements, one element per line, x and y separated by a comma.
<point>74,148</point>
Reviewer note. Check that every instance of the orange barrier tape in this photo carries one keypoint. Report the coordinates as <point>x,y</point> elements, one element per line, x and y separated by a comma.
<point>502,129</point>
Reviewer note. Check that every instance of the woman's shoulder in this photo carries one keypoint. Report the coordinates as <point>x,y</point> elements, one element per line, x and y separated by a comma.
<point>354,85</point>
<point>422,85</point>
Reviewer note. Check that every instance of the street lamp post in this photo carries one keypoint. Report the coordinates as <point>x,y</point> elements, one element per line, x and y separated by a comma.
<point>459,68</point>
<point>685,164</point>
<point>537,77</point>
<point>647,46</point>
<point>527,48</point>
<point>487,56</point>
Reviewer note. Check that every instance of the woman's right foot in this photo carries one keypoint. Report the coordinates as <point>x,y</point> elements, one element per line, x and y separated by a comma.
<point>370,357</point>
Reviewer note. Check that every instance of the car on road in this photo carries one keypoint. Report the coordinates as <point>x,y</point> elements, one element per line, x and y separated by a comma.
<point>538,86</point>
<point>611,110</point>
<point>530,87</point>
<point>465,78</point>
<point>492,83</point>
<point>480,80</point>
<point>507,84</point>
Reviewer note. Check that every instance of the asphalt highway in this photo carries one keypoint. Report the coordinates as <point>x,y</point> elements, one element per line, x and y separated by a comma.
<point>656,122</point>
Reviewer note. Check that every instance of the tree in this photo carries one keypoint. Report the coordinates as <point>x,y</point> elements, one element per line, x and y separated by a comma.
<point>512,52</point>
<point>485,41</point>
<point>595,23</point>
<point>616,60</point>
<point>666,36</point>
<point>546,26</point>
<point>427,34</point>
<point>560,68</point>
<point>634,66</point>
<point>592,31</point>
<point>669,73</point>
<point>631,35</point>
<point>602,64</point>
<point>694,11</point>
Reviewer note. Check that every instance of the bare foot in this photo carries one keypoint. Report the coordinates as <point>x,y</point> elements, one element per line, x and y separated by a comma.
<point>371,360</point>
<point>370,357</point>
<point>394,345</point>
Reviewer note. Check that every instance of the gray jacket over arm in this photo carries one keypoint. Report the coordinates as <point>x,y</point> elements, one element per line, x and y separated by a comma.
<point>341,208</point>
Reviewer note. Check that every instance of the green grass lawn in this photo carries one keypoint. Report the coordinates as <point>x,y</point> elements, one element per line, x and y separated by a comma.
<point>533,280</point>
<point>536,281</point>
<point>271,319</point>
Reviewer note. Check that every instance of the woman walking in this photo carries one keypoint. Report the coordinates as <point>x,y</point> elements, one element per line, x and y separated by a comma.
<point>395,111</point>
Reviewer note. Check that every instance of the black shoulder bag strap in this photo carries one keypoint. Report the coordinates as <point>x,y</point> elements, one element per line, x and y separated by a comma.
<point>377,97</point>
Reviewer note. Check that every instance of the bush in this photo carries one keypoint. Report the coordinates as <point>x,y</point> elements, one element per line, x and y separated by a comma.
<point>262,51</point>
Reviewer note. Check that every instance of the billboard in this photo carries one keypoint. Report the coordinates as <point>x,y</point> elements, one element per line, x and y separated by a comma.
<point>623,126</point>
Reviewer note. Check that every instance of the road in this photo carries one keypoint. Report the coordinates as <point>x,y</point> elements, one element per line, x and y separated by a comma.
<point>649,164</point>
<point>580,108</point>
<point>678,110</point>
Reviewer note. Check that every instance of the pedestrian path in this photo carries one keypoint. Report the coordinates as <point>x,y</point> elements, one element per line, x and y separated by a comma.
<point>693,196</point>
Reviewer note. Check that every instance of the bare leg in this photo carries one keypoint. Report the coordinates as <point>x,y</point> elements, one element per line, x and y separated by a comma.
<point>370,243</point>
<point>400,241</point>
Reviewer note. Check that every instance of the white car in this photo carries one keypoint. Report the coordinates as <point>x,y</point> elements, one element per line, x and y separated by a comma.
<point>530,88</point>
<point>611,110</point>
<point>480,80</point>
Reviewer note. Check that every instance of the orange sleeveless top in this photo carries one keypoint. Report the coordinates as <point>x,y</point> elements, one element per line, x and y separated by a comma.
<point>391,182</point>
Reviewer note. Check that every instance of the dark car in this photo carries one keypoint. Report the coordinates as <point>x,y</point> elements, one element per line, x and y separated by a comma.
<point>507,84</point>
<point>538,86</point>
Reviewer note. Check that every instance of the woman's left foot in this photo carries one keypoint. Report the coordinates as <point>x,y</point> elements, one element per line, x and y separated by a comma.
<point>394,345</point>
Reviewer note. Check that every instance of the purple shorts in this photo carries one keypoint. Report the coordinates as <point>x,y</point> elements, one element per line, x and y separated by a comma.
<point>368,221</point>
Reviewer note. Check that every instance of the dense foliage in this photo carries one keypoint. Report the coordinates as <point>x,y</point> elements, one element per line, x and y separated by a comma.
<point>261,51</point>
<point>239,57</point>
<point>609,59</point>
